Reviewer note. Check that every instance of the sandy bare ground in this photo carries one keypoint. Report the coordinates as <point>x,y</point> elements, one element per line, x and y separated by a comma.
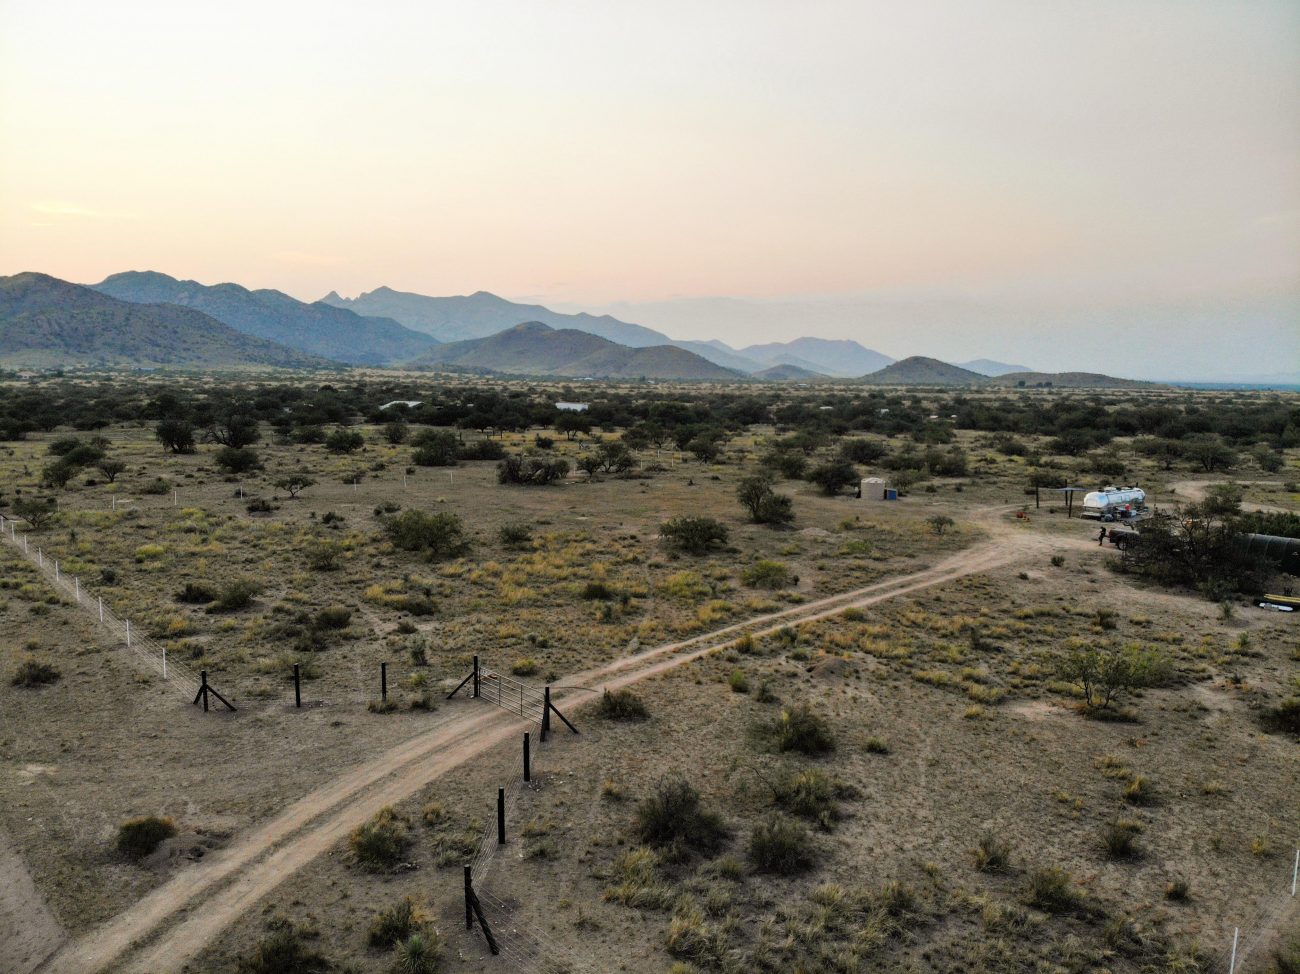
<point>171,926</point>
<point>1195,490</point>
<point>28,931</point>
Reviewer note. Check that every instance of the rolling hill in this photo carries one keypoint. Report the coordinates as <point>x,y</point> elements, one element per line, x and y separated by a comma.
<point>318,329</point>
<point>1067,380</point>
<point>789,373</point>
<point>49,323</point>
<point>921,371</point>
<point>835,357</point>
<point>535,348</point>
<point>482,314</point>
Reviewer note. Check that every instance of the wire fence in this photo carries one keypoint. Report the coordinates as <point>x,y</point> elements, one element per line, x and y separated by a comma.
<point>151,652</point>
<point>524,948</point>
<point>1256,931</point>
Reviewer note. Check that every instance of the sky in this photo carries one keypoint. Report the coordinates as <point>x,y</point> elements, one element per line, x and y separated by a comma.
<point>1112,185</point>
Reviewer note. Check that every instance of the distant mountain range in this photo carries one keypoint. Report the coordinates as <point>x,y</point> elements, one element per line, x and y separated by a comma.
<point>318,329</point>
<point>147,318</point>
<point>48,323</point>
<point>535,348</point>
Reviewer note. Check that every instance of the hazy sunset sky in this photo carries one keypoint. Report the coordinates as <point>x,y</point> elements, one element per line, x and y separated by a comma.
<point>949,178</point>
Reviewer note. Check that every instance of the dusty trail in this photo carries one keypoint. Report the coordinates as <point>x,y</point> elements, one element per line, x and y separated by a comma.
<point>204,899</point>
<point>1195,490</point>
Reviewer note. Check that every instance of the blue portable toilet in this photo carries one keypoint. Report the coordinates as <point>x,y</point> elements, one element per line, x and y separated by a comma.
<point>891,494</point>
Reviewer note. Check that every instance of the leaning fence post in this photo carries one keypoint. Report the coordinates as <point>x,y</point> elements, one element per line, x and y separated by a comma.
<point>528,765</point>
<point>297,687</point>
<point>1295,871</point>
<point>383,681</point>
<point>501,816</point>
<point>1232,964</point>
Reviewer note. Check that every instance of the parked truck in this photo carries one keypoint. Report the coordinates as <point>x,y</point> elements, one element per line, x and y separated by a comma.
<point>1114,503</point>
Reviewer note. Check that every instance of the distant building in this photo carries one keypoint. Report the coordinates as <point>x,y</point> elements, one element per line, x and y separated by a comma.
<point>571,407</point>
<point>408,403</point>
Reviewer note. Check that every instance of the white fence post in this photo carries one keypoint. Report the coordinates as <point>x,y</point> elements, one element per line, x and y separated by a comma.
<point>40,557</point>
<point>128,632</point>
<point>1232,964</point>
<point>76,582</point>
<point>176,496</point>
<point>1295,871</point>
<point>100,599</point>
<point>24,544</point>
<point>164,662</point>
<point>56,569</point>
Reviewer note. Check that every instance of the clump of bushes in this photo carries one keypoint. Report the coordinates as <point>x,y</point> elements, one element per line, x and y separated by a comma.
<point>284,951</point>
<point>141,836</point>
<point>1105,675</point>
<point>33,673</point>
<point>1052,891</point>
<point>239,594</point>
<point>1120,839</point>
<point>622,705</point>
<point>531,471</point>
<point>768,575</point>
<point>694,535</point>
<point>435,536</point>
<point>800,728</point>
<point>525,666</point>
<point>1285,717</point>
<point>992,855</point>
<point>780,845</point>
<point>197,593</point>
<point>333,617</point>
<point>674,816</point>
<point>813,795</point>
<point>420,953</point>
<point>381,842</point>
<point>395,924</point>
<point>515,534</point>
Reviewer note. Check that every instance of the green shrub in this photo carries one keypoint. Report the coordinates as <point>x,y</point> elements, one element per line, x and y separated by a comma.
<point>813,795</point>
<point>33,673</point>
<point>622,705</point>
<point>333,617</point>
<point>768,575</point>
<point>526,666</point>
<point>780,845</point>
<point>235,460</point>
<point>1139,791</point>
<point>531,471</point>
<point>141,836</point>
<point>694,535</point>
<point>381,842</point>
<point>284,951</point>
<point>395,924</point>
<point>344,441</point>
<point>1051,890</point>
<point>239,594</point>
<point>1120,839</point>
<point>515,534</point>
<point>435,536</point>
<point>420,953</point>
<point>673,815</point>
<point>1105,675</point>
<point>801,729</point>
<point>875,745</point>
<point>197,593</point>
<point>738,682</point>
<point>598,590</point>
<point>992,855</point>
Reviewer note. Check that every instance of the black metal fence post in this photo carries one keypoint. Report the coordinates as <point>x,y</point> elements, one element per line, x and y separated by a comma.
<point>383,681</point>
<point>528,765</point>
<point>476,677</point>
<point>501,816</point>
<point>297,686</point>
<point>546,714</point>
<point>203,675</point>
<point>469,905</point>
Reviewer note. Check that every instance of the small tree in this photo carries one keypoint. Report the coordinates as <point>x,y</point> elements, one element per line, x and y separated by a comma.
<point>433,535</point>
<point>1104,675</point>
<point>344,440</point>
<point>695,535</point>
<point>435,448</point>
<point>176,435</point>
<point>110,469</point>
<point>395,433</point>
<point>36,511</point>
<point>940,522</point>
<point>572,423</point>
<point>765,505</point>
<point>294,483</point>
<point>238,459</point>
<point>833,476</point>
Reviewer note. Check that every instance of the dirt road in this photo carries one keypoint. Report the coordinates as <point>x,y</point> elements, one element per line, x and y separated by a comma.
<point>175,922</point>
<point>28,931</point>
<point>1195,490</point>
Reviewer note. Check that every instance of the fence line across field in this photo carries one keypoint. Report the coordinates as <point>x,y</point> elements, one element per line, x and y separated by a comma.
<point>147,649</point>
<point>1254,932</point>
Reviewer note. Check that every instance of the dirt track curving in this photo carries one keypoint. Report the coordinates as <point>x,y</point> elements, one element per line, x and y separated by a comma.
<point>175,922</point>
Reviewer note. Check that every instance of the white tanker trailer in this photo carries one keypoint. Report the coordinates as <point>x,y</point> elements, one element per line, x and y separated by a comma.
<point>1114,503</point>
